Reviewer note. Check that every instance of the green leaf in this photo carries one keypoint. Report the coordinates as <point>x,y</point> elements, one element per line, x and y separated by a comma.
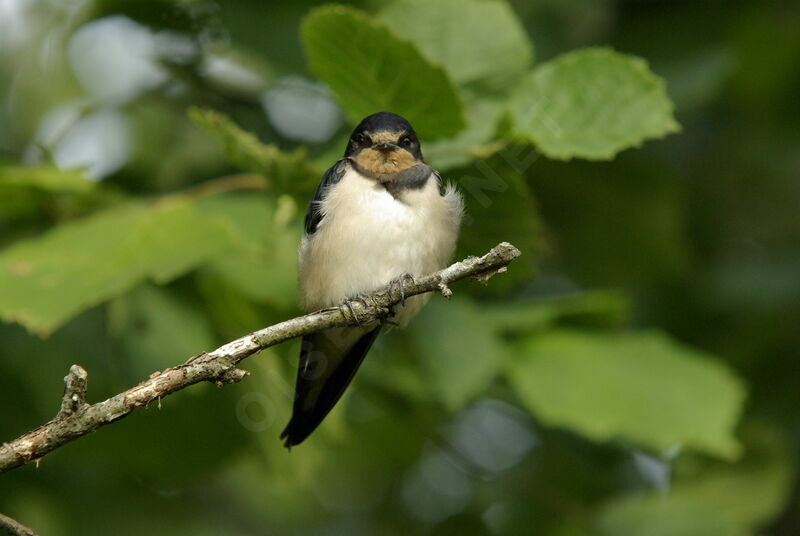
<point>659,515</point>
<point>230,310</point>
<point>477,42</point>
<point>459,354</point>
<point>471,143</point>
<point>157,329</point>
<point>263,266</point>
<point>24,190</point>
<point>44,281</point>
<point>591,104</point>
<point>640,387</point>
<point>719,501</point>
<point>499,207</point>
<point>768,467</point>
<point>371,69</point>
<point>290,172</point>
<point>596,308</point>
<point>45,178</point>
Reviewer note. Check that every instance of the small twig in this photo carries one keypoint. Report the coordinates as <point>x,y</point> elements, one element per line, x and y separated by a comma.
<point>75,384</point>
<point>13,527</point>
<point>228,183</point>
<point>77,418</point>
<point>445,291</point>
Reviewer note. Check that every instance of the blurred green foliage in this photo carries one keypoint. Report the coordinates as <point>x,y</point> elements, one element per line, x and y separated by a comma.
<point>635,373</point>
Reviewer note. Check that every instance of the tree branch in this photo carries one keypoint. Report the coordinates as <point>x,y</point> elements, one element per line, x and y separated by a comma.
<point>14,527</point>
<point>77,418</point>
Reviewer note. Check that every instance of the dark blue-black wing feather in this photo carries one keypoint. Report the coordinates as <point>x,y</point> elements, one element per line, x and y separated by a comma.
<point>316,357</point>
<point>439,182</point>
<point>333,175</point>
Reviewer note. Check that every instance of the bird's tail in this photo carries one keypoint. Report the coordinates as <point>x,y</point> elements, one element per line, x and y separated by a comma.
<point>328,361</point>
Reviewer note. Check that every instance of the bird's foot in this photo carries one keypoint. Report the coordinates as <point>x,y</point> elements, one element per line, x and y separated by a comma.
<point>348,303</point>
<point>401,284</point>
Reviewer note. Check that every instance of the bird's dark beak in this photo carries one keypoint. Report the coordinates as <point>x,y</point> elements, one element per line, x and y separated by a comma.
<point>385,147</point>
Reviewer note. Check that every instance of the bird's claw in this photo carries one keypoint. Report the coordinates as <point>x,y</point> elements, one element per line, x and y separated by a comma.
<point>401,283</point>
<point>349,304</point>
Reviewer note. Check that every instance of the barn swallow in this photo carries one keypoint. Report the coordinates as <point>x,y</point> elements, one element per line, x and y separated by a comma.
<point>379,215</point>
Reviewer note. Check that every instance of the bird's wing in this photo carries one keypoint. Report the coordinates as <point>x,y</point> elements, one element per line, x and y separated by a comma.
<point>439,182</point>
<point>328,361</point>
<point>331,176</point>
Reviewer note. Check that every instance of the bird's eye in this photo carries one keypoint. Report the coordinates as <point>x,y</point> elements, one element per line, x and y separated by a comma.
<point>405,141</point>
<point>360,138</point>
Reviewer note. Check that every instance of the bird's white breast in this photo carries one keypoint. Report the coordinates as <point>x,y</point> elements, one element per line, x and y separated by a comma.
<point>368,238</point>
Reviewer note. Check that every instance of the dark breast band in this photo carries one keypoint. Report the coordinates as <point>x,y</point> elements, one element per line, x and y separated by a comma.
<point>412,178</point>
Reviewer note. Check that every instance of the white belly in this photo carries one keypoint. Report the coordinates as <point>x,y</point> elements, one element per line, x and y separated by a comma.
<point>367,238</point>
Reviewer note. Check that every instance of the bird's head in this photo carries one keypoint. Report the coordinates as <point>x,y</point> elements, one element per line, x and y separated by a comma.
<point>384,143</point>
